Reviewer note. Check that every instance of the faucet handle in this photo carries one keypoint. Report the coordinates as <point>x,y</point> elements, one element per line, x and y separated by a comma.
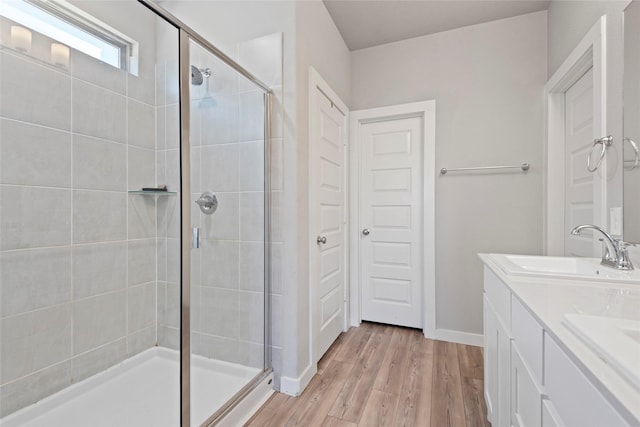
<point>624,245</point>
<point>624,263</point>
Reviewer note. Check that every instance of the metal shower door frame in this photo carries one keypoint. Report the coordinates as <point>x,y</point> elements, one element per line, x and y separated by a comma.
<point>186,35</point>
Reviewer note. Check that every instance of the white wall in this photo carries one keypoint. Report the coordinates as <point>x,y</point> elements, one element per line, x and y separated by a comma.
<point>569,21</point>
<point>488,82</point>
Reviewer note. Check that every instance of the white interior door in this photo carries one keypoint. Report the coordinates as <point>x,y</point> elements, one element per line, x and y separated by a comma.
<point>327,267</point>
<point>580,184</point>
<point>391,195</point>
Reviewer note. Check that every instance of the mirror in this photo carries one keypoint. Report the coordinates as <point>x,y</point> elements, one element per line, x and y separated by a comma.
<point>631,175</point>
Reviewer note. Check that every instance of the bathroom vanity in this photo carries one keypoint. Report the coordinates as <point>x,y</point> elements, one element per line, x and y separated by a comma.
<point>562,342</point>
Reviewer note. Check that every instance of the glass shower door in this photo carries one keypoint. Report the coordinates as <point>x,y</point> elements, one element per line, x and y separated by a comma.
<point>227,135</point>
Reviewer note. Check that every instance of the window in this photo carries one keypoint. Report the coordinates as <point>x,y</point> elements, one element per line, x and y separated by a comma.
<point>74,28</point>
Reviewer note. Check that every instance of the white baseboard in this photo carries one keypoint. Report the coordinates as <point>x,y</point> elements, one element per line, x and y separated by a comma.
<point>460,337</point>
<point>295,386</point>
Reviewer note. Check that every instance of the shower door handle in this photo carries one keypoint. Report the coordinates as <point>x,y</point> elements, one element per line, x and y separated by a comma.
<point>195,241</point>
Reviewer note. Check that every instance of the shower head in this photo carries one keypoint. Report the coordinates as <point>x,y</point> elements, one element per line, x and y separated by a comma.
<point>198,75</point>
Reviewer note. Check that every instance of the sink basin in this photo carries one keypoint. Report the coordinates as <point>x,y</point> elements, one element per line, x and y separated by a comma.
<point>563,268</point>
<point>617,341</point>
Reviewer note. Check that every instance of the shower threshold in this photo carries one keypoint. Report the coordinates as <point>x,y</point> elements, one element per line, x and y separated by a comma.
<point>141,391</point>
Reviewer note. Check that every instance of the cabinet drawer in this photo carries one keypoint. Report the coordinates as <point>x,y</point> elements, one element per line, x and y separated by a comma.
<point>575,398</point>
<point>499,296</point>
<point>527,333</point>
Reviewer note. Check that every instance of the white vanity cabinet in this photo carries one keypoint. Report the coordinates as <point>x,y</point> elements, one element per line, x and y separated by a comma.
<point>530,381</point>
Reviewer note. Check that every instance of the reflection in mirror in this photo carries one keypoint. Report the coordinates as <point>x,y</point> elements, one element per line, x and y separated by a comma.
<point>631,201</point>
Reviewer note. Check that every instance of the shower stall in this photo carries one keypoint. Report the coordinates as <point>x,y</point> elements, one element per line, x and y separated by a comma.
<point>134,219</point>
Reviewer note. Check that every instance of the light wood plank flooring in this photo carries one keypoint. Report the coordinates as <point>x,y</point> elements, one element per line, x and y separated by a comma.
<point>380,375</point>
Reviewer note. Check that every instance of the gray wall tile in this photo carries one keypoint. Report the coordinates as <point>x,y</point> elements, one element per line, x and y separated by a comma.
<point>142,168</point>
<point>251,166</point>
<point>219,168</point>
<point>44,335</point>
<point>142,216</point>
<point>33,388</point>
<point>99,268</point>
<point>99,164</point>
<point>141,124</point>
<point>33,279</point>
<point>251,317</point>
<point>34,155</point>
<point>98,112</point>
<point>251,267</point>
<point>34,217</point>
<point>98,321</point>
<point>141,340</point>
<point>252,217</point>
<point>99,216</point>
<point>219,348</point>
<point>141,307</point>
<point>250,354</point>
<point>221,315</point>
<point>220,263</point>
<point>141,88</point>
<point>95,361</point>
<point>251,122</point>
<point>25,85</point>
<point>224,223</point>
<point>142,261</point>
<point>92,70</point>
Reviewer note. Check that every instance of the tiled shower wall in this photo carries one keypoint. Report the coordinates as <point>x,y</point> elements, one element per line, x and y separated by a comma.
<point>77,252</point>
<point>227,158</point>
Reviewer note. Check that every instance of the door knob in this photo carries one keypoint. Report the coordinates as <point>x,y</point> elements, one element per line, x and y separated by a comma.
<point>321,240</point>
<point>366,232</point>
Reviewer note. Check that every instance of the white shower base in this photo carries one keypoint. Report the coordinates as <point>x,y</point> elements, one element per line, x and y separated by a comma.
<point>139,392</point>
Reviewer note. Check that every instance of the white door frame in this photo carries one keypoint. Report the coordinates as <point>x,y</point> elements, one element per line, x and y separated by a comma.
<point>427,111</point>
<point>590,52</point>
<point>316,85</point>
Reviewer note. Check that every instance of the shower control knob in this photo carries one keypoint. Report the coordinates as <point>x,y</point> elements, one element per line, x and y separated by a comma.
<point>321,240</point>
<point>208,202</point>
<point>365,232</point>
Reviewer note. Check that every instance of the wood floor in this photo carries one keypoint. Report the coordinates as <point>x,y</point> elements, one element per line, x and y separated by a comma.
<point>379,375</point>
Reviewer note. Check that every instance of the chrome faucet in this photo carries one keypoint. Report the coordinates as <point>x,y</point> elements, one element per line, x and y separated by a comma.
<point>615,253</point>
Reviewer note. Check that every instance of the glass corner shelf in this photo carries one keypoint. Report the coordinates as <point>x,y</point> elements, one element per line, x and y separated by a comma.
<point>153,193</point>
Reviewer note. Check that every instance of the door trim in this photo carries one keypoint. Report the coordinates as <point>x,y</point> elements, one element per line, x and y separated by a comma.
<point>318,84</point>
<point>590,52</point>
<point>427,111</point>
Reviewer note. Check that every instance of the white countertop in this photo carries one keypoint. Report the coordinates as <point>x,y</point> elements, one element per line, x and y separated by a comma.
<point>549,300</point>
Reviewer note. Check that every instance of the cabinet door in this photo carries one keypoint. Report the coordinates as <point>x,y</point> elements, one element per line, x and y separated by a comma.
<point>575,398</point>
<point>550,417</point>
<point>497,368</point>
<point>504,375</point>
<point>526,399</point>
<point>490,361</point>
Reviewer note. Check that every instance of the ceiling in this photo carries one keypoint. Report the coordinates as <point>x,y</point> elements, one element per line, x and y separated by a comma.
<point>367,23</point>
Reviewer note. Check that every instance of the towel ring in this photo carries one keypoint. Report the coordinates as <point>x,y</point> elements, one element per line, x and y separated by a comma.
<point>636,153</point>
<point>604,142</point>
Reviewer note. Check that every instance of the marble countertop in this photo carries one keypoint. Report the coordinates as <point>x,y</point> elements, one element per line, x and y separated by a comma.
<point>549,300</point>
